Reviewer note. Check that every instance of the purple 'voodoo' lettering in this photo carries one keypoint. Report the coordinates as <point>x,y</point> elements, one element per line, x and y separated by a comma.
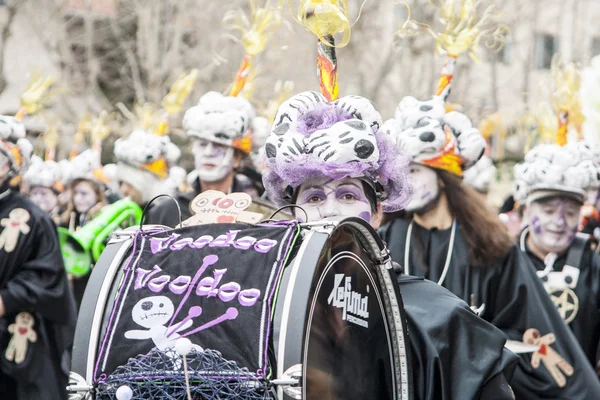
<point>244,243</point>
<point>201,242</point>
<point>206,262</point>
<point>264,245</point>
<point>208,285</point>
<point>224,240</point>
<point>143,276</point>
<point>180,244</point>
<point>161,244</point>
<point>249,297</point>
<point>180,284</point>
<point>229,291</point>
<point>157,284</point>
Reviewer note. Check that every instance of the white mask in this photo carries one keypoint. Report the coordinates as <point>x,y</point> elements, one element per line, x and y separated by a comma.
<point>553,223</point>
<point>84,197</point>
<point>213,161</point>
<point>323,198</point>
<point>44,198</point>
<point>426,187</point>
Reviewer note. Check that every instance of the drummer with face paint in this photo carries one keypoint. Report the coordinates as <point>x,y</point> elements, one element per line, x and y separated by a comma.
<point>334,160</point>
<point>551,183</point>
<point>221,129</point>
<point>450,236</point>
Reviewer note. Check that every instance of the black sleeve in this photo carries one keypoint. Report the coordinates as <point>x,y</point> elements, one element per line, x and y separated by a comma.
<point>496,388</point>
<point>40,282</point>
<point>455,354</point>
<point>523,305</point>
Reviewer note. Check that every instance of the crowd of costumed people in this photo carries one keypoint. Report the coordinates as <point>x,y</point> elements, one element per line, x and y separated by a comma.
<point>476,291</point>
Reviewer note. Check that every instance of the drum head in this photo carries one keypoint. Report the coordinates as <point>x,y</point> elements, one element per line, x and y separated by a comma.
<point>349,342</point>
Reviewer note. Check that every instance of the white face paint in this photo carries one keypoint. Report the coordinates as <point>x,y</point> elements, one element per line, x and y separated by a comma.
<point>324,198</point>
<point>44,198</point>
<point>213,161</point>
<point>426,187</point>
<point>553,223</point>
<point>84,197</point>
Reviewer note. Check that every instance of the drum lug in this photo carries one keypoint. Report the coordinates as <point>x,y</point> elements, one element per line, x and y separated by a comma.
<point>78,388</point>
<point>290,381</point>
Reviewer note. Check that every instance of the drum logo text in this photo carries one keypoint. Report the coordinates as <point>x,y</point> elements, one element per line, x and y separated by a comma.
<point>355,307</point>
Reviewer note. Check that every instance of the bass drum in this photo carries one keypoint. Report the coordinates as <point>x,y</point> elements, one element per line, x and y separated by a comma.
<point>339,326</point>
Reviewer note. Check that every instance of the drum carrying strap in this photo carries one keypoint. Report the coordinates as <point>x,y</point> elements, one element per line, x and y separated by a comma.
<point>577,250</point>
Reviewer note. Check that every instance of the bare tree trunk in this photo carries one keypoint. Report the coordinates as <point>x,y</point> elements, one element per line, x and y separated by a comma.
<point>494,80</point>
<point>11,10</point>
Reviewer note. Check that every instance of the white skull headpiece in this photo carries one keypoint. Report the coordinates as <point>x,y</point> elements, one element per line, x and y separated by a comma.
<point>13,144</point>
<point>481,175</point>
<point>44,173</point>
<point>221,119</point>
<point>312,137</point>
<point>570,169</point>
<point>147,151</point>
<point>428,135</point>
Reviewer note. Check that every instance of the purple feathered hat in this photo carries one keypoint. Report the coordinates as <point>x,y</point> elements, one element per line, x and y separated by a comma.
<point>313,138</point>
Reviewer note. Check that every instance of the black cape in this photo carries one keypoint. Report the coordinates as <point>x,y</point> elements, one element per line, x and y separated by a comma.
<point>586,323</point>
<point>33,279</point>
<point>514,299</point>
<point>455,354</point>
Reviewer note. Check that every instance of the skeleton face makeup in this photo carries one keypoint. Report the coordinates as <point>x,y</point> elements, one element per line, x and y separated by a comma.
<point>212,161</point>
<point>553,223</point>
<point>426,187</point>
<point>84,197</point>
<point>44,198</point>
<point>323,198</point>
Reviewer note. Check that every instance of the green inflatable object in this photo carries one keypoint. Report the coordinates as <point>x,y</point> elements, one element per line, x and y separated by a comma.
<point>82,248</point>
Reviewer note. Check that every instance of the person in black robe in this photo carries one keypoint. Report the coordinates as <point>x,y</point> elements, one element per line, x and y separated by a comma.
<point>454,353</point>
<point>37,312</point>
<point>452,238</point>
<point>222,129</point>
<point>565,262</point>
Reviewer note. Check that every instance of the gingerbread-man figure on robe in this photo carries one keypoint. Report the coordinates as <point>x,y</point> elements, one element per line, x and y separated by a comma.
<point>23,332</point>
<point>14,225</point>
<point>555,364</point>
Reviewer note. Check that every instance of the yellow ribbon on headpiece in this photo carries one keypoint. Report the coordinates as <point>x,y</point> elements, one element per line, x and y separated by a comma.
<point>35,95</point>
<point>174,100</point>
<point>324,19</point>
<point>255,32</point>
<point>447,160</point>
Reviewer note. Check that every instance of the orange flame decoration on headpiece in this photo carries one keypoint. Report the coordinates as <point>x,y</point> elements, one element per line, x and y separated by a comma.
<point>255,32</point>
<point>448,160</point>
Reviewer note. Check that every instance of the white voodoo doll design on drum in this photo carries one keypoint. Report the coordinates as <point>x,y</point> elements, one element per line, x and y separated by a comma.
<point>154,314</point>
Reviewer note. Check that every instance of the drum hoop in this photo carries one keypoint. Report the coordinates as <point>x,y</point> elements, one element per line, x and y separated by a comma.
<point>100,308</point>
<point>340,256</point>
<point>287,301</point>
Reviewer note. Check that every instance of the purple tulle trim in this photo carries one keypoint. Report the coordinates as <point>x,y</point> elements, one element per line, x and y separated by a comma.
<point>391,170</point>
<point>322,117</point>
